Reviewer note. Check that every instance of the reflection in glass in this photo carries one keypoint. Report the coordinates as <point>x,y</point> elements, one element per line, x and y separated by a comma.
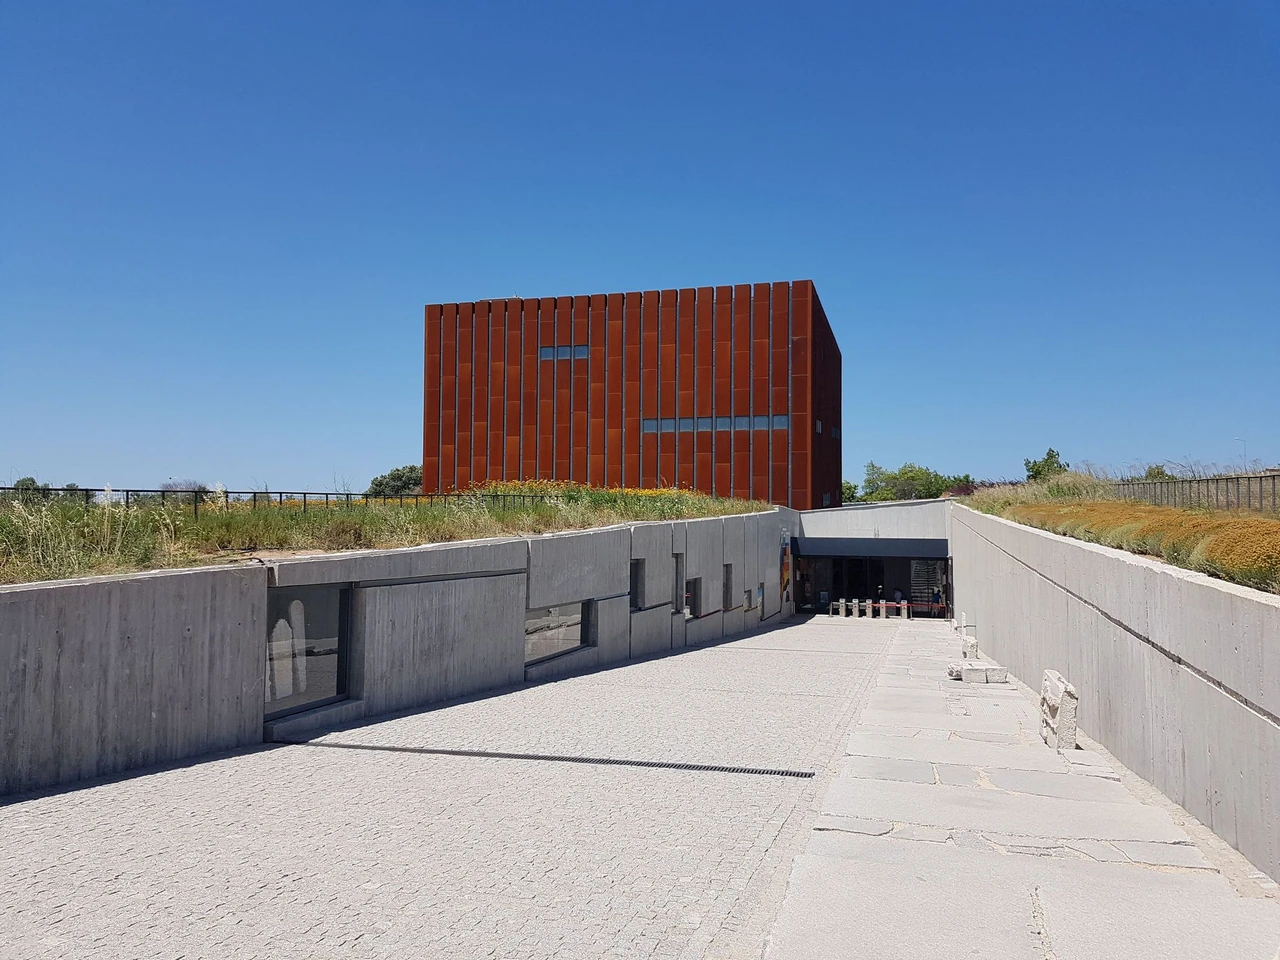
<point>304,640</point>
<point>552,630</point>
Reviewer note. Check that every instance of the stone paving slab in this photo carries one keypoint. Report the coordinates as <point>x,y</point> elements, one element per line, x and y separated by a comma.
<point>1011,851</point>
<point>1013,723</point>
<point>854,897</point>
<point>1067,786</point>
<point>980,809</point>
<point>970,752</point>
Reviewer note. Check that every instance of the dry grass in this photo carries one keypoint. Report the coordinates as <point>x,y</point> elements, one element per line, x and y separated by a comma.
<point>57,539</point>
<point>1240,547</point>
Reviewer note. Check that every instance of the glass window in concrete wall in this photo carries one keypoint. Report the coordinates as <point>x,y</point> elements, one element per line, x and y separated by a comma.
<point>307,629</point>
<point>551,631</point>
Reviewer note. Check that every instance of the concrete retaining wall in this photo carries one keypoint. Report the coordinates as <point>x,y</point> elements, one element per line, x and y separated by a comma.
<point>106,675</point>
<point>1179,674</point>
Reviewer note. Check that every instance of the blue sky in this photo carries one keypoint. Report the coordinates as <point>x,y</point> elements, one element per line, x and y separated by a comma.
<point>1031,224</point>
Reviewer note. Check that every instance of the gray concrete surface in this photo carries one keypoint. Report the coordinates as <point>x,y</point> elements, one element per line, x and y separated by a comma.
<point>1178,674</point>
<point>364,844</point>
<point>582,565</point>
<point>110,673</point>
<point>931,844</point>
<point>423,643</point>
<point>913,528</point>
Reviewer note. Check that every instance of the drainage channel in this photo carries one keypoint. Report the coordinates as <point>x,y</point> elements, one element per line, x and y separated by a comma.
<point>554,758</point>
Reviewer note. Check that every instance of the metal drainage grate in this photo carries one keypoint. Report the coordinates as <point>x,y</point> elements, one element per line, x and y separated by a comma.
<point>553,758</point>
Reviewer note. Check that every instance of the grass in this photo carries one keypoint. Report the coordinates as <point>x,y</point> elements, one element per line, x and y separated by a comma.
<point>57,538</point>
<point>1237,546</point>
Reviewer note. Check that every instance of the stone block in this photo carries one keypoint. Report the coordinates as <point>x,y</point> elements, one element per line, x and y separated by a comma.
<point>1058,705</point>
<point>969,648</point>
<point>977,671</point>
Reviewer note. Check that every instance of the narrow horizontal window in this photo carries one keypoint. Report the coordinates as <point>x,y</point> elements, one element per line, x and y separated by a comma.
<point>580,352</point>
<point>686,424</point>
<point>704,423</point>
<point>781,421</point>
<point>724,423</point>
<point>742,423</point>
<point>546,353</point>
<point>564,353</point>
<point>761,423</point>
<point>649,426</point>
<point>668,424</point>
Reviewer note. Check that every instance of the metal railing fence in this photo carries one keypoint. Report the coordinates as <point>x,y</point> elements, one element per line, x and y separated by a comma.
<point>198,500</point>
<point>1253,491</point>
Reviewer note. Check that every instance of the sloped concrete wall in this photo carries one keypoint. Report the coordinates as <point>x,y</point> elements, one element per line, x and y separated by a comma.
<point>1179,674</point>
<point>104,675</point>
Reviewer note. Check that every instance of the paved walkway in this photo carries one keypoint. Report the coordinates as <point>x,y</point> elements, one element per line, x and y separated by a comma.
<point>548,822</point>
<point>951,830</point>
<point>364,846</point>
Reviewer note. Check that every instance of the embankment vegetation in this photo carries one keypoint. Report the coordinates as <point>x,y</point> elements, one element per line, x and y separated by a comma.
<point>45,538</point>
<point>1238,546</point>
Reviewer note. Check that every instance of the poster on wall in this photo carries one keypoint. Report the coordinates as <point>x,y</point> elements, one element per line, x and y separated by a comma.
<point>784,568</point>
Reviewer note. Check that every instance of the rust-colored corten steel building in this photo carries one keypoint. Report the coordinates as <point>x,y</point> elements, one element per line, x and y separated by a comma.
<point>729,390</point>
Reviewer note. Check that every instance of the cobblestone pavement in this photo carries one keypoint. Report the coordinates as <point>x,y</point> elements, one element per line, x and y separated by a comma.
<point>331,849</point>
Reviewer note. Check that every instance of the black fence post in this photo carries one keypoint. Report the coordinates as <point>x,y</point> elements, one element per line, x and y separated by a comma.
<point>304,503</point>
<point>255,500</point>
<point>195,503</point>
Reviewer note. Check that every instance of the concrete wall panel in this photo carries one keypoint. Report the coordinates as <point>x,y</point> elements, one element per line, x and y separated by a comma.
<point>651,542</point>
<point>902,529</point>
<point>565,567</point>
<point>423,643</point>
<point>651,631</point>
<point>613,630</point>
<point>104,675</point>
<point>707,629</point>
<point>704,560</point>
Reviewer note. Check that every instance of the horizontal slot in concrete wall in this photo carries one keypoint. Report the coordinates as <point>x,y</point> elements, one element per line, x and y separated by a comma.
<point>1179,674</point>
<point>109,674</point>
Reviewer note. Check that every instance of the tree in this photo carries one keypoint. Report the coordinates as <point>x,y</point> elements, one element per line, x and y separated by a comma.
<point>848,491</point>
<point>1157,471</point>
<point>28,487</point>
<point>1047,466</point>
<point>909,482</point>
<point>401,480</point>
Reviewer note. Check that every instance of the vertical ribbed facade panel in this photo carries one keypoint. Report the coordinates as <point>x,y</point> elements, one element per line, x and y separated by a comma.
<point>729,390</point>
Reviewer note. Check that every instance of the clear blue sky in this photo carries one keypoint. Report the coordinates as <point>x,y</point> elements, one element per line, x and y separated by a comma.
<point>1031,224</point>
